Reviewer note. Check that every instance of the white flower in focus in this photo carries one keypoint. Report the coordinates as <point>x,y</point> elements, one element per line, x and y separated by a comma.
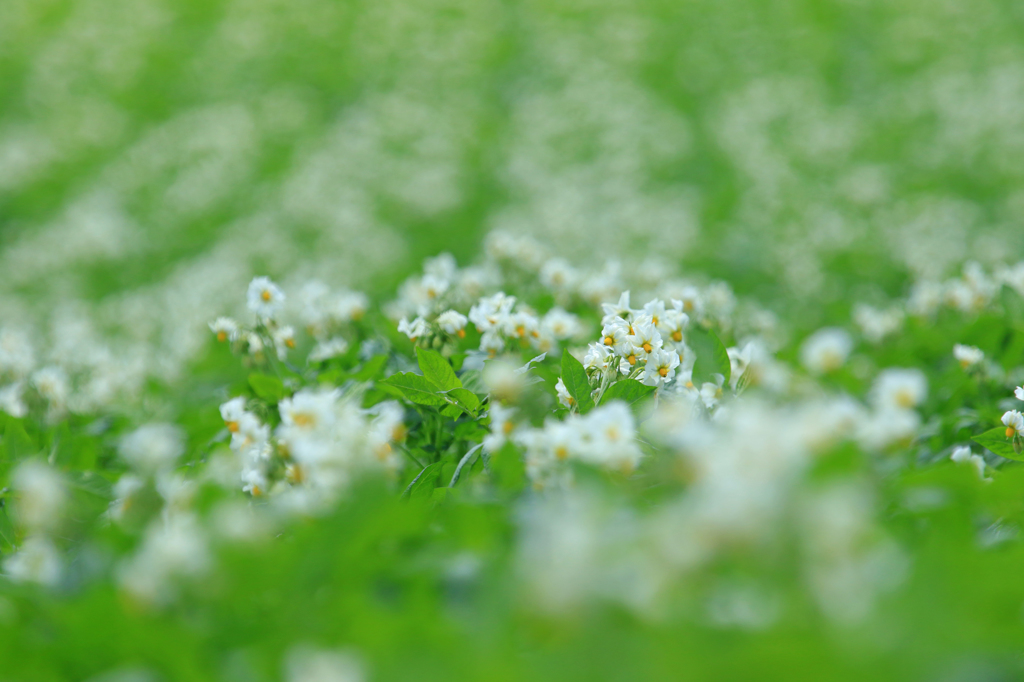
<point>453,323</point>
<point>615,335</point>
<point>661,367</point>
<point>645,339</point>
<point>967,356</point>
<point>899,389</point>
<point>1013,420</point>
<point>36,561</point>
<point>963,455</point>
<point>826,350</point>
<point>264,298</point>
<point>152,447</point>
<point>598,357</point>
<point>41,495</point>
<point>305,664</point>
<point>618,310</point>
<point>225,329</point>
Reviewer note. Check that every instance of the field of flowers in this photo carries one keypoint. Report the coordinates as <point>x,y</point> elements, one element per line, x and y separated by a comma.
<point>463,339</point>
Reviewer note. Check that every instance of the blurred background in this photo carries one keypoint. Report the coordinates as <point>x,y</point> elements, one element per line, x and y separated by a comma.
<point>155,154</point>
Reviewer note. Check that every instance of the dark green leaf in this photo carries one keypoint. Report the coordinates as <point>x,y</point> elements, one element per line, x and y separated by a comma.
<point>575,379</point>
<point>267,387</point>
<point>416,389</point>
<point>712,357</point>
<point>627,390</point>
<point>996,441</point>
<point>437,370</point>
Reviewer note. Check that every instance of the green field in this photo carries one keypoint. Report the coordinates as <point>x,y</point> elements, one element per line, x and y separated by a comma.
<point>759,474</point>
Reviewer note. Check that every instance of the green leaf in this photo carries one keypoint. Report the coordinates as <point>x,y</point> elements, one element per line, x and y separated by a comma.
<point>996,441</point>
<point>627,390</point>
<point>416,389</point>
<point>437,370</point>
<point>267,387</point>
<point>508,468</point>
<point>575,379</point>
<point>371,368</point>
<point>712,357</point>
<point>465,399</point>
<point>423,485</point>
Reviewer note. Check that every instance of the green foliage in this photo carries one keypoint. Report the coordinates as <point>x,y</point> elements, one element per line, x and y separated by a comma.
<point>629,391</point>
<point>267,387</point>
<point>996,441</point>
<point>574,376</point>
<point>712,357</point>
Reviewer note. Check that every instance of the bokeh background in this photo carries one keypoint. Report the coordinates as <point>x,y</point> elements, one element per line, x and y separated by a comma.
<point>156,153</point>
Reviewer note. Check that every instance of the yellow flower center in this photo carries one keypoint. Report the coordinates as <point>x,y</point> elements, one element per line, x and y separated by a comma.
<point>663,371</point>
<point>303,419</point>
<point>266,296</point>
<point>677,336</point>
<point>232,426</point>
<point>631,359</point>
<point>222,336</point>
<point>647,348</point>
<point>561,452</point>
<point>1010,432</point>
<point>609,341</point>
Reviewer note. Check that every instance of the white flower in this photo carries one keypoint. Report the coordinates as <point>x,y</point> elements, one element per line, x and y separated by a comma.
<point>37,561</point>
<point>1013,420</point>
<point>963,455</point>
<point>17,357</point>
<point>899,389</point>
<point>284,340</point>
<point>231,412</point>
<point>52,384</point>
<point>502,427</point>
<point>615,335</point>
<point>616,310</point>
<point>598,357</point>
<point>331,348</point>
<point>308,411</point>
<point>562,392</point>
<point>561,324</point>
<point>264,297</point>
<point>40,495</point>
<point>305,664</point>
<point>558,275</point>
<point>826,350</point>
<point>661,367</point>
<point>414,329</point>
<point>1019,392</point>
<point>502,379</point>
<point>153,447</point>
<point>967,356</point>
<point>225,328</point>
<point>452,322</point>
<point>645,339</point>
<point>11,402</point>
<point>609,436</point>
<point>489,313</point>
